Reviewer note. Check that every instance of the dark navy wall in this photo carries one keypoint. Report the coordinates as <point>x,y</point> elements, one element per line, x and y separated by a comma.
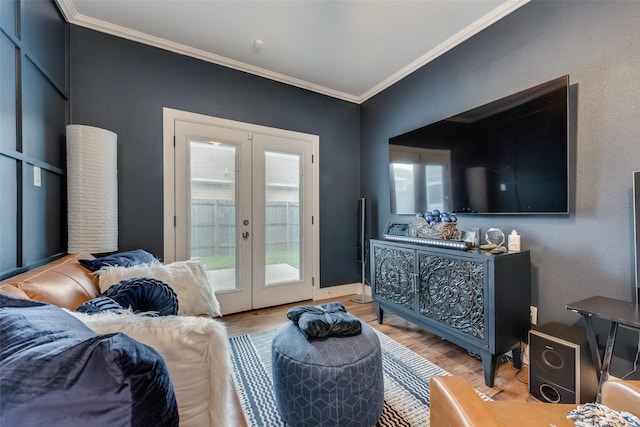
<point>34,99</point>
<point>122,86</point>
<point>588,252</point>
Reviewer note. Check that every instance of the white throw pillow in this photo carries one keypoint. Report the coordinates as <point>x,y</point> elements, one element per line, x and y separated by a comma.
<point>188,279</point>
<point>195,350</point>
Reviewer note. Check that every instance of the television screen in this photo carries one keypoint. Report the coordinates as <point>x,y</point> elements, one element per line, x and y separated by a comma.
<point>506,157</point>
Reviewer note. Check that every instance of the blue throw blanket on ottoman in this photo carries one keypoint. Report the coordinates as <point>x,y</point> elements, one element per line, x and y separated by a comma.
<point>325,320</point>
<point>56,371</point>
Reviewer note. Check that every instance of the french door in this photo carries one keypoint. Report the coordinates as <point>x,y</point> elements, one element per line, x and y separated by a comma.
<point>244,204</point>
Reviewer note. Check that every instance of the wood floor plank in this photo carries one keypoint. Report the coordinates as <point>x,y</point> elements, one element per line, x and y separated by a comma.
<point>509,384</point>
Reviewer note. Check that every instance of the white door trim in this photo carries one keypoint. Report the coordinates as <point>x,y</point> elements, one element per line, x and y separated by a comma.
<point>169,116</point>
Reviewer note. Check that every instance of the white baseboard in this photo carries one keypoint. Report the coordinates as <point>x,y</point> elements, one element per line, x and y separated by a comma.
<point>339,291</point>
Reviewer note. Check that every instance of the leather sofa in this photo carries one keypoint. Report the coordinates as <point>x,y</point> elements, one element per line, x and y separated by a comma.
<point>454,403</point>
<point>194,348</point>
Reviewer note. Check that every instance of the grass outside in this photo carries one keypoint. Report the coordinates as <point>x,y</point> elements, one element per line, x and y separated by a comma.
<point>221,262</point>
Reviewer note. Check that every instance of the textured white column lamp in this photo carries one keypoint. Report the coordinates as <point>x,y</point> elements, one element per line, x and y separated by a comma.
<point>92,190</point>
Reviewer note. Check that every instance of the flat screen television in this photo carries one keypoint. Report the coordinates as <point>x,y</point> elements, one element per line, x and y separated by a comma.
<point>510,156</point>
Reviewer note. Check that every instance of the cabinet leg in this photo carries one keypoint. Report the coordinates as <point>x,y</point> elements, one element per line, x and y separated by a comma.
<point>489,367</point>
<point>379,313</point>
<point>517,357</point>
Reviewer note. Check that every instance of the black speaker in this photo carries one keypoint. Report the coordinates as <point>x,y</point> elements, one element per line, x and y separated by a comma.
<point>560,366</point>
<point>362,246</point>
<point>362,252</point>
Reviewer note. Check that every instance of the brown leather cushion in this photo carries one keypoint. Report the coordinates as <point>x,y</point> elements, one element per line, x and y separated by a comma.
<point>454,403</point>
<point>531,414</point>
<point>63,282</point>
<point>12,291</point>
<point>622,395</point>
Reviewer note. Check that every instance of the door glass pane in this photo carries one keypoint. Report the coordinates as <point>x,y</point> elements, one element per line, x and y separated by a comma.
<point>282,217</point>
<point>213,210</point>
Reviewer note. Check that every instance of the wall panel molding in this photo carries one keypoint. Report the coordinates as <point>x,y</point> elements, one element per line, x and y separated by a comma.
<point>34,96</point>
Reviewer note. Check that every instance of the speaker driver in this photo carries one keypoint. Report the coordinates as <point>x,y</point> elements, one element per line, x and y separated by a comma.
<point>549,393</point>
<point>552,358</point>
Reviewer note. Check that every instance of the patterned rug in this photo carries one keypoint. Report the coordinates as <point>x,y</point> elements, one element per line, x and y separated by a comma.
<point>406,382</point>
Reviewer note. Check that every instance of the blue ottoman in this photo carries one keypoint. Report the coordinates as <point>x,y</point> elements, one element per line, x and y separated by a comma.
<point>333,382</point>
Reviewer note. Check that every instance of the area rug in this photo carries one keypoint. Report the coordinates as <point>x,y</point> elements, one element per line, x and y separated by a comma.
<point>406,382</point>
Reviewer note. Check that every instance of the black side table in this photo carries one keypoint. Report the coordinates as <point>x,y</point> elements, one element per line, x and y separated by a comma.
<point>616,311</point>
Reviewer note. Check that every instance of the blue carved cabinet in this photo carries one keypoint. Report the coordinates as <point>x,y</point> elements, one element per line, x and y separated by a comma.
<point>474,299</point>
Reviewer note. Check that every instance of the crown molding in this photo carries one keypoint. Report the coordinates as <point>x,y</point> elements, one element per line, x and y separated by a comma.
<point>453,41</point>
<point>73,17</point>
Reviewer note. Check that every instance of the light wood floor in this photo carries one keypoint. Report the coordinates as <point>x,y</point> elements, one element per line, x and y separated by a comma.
<point>509,384</point>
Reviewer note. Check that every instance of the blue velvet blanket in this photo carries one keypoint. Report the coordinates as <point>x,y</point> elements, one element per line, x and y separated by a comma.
<point>324,320</point>
<point>55,371</point>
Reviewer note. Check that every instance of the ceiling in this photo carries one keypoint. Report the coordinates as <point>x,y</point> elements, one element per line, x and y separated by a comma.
<point>349,49</point>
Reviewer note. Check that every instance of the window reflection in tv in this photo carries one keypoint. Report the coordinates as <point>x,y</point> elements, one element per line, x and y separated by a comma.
<point>508,156</point>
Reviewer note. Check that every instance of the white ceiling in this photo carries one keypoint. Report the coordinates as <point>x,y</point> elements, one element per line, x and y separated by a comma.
<point>350,49</point>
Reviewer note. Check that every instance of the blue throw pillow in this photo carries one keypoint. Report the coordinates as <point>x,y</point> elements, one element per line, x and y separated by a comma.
<point>120,259</point>
<point>55,371</point>
<point>98,305</point>
<point>144,294</point>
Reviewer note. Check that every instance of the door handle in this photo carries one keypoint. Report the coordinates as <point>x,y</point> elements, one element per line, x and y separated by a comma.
<point>245,235</point>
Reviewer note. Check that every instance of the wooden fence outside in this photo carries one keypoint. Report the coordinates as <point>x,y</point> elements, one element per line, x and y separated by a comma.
<point>213,227</point>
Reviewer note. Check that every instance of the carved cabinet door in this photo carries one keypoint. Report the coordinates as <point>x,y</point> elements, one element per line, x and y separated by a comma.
<point>452,292</point>
<point>394,278</point>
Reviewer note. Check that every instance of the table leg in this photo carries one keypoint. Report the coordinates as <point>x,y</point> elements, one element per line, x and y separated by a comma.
<point>593,345</point>
<point>379,312</point>
<point>517,357</point>
<point>489,367</point>
<point>606,360</point>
